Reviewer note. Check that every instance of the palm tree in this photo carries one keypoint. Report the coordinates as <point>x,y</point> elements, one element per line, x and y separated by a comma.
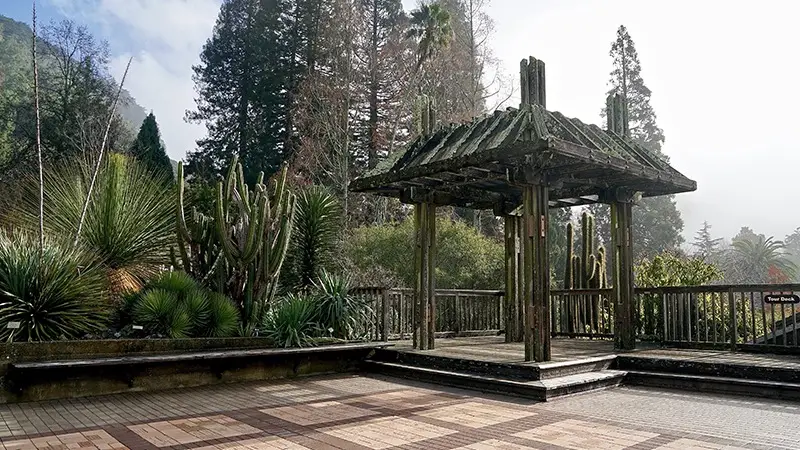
<point>430,27</point>
<point>755,255</point>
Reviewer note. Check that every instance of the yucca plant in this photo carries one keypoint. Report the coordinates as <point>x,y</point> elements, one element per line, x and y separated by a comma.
<point>176,306</point>
<point>292,321</point>
<point>58,293</point>
<point>344,314</point>
<point>317,223</point>
<point>129,221</point>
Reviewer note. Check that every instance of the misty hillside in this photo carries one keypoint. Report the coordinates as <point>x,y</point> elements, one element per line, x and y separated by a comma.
<point>15,68</point>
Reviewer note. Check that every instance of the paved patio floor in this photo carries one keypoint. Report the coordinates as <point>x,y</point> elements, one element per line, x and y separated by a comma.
<point>359,412</point>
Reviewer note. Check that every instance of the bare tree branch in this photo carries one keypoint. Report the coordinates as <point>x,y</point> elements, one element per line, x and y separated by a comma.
<point>38,135</point>
<point>100,153</point>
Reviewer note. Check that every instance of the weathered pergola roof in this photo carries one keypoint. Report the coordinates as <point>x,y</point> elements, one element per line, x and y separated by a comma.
<point>482,164</point>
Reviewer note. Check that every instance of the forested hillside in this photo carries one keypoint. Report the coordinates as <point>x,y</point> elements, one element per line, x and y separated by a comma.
<point>76,93</point>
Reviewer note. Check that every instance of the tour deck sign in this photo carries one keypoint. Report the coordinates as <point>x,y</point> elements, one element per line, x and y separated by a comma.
<point>782,298</point>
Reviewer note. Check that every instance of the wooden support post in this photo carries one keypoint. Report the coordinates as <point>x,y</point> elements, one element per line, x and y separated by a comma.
<point>520,243</point>
<point>431,210</point>
<point>535,200</point>
<point>425,284</point>
<point>624,320</point>
<point>512,314</point>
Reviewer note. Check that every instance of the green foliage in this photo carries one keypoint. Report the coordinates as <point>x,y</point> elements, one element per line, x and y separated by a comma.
<point>58,294</point>
<point>707,247</point>
<point>175,305</point>
<point>342,314</point>
<point>75,96</point>
<point>431,29</point>
<point>317,226</point>
<point>754,256</point>
<point>149,150</point>
<point>246,79</point>
<point>292,321</point>
<point>129,222</point>
<point>657,223</point>
<point>465,258</point>
<point>670,269</point>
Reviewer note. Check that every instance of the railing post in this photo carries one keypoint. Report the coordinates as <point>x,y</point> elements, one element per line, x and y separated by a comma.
<point>385,319</point>
<point>664,313</point>
<point>734,328</point>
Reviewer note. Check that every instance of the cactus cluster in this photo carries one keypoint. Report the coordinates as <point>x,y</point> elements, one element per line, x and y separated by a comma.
<point>241,249</point>
<point>198,253</point>
<point>253,228</point>
<point>588,270</point>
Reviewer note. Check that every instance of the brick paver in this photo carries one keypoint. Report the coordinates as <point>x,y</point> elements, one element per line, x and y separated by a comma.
<point>360,412</point>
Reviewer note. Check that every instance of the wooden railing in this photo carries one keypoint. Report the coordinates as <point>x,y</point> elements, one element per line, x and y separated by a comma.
<point>582,313</point>
<point>458,311</point>
<point>724,316</point>
<point>729,316</point>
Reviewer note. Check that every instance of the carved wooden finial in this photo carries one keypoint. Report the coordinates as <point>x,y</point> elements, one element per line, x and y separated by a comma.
<point>617,115</point>
<point>532,82</point>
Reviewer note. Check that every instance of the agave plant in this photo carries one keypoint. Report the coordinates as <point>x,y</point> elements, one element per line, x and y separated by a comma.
<point>58,293</point>
<point>292,321</point>
<point>129,222</point>
<point>344,314</point>
<point>176,306</point>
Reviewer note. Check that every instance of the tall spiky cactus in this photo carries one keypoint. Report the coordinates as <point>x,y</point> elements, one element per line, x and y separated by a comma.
<point>198,253</point>
<point>585,271</point>
<point>253,229</point>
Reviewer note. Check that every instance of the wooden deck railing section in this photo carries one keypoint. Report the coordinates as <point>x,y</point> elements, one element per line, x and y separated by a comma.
<point>723,316</point>
<point>458,311</point>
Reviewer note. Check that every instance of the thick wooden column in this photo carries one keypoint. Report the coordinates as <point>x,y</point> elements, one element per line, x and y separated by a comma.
<point>537,273</point>
<point>622,257</point>
<point>425,271</point>
<point>513,314</point>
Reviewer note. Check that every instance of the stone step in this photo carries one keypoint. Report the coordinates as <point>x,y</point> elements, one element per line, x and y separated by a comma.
<point>710,368</point>
<point>542,390</point>
<point>715,384</point>
<point>513,371</point>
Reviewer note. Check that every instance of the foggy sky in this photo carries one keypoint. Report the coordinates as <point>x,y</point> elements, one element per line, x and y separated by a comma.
<point>723,76</point>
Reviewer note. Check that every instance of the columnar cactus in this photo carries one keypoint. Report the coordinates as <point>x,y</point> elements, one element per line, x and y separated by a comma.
<point>198,254</point>
<point>585,271</point>
<point>253,229</point>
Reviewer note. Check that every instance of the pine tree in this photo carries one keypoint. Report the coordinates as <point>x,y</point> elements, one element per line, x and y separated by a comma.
<point>148,148</point>
<point>706,245</point>
<point>657,223</point>
<point>242,83</point>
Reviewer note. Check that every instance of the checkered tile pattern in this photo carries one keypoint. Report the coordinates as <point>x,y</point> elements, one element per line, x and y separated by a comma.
<point>353,412</point>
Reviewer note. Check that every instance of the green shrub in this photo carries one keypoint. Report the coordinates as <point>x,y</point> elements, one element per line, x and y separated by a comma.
<point>340,313</point>
<point>176,306</point>
<point>292,321</point>
<point>465,258</point>
<point>59,293</point>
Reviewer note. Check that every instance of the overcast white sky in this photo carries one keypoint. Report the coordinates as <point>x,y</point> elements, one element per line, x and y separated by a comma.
<point>724,76</point>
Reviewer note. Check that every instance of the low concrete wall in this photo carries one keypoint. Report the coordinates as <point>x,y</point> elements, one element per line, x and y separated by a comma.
<point>22,385</point>
<point>47,351</point>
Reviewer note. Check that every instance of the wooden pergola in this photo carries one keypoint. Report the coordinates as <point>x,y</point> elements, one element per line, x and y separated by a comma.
<point>519,163</point>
